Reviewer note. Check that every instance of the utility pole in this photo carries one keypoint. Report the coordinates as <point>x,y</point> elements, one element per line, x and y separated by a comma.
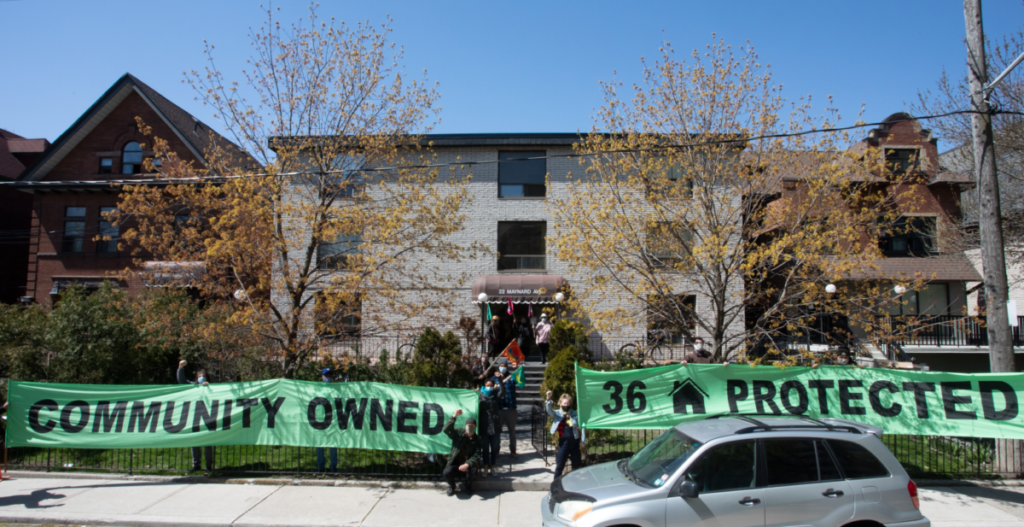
<point>990,216</point>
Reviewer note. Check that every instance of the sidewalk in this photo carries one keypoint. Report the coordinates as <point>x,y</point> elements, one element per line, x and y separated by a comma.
<point>160,503</point>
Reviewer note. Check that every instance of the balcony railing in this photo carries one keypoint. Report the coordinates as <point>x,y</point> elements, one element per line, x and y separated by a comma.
<point>514,262</point>
<point>944,330</point>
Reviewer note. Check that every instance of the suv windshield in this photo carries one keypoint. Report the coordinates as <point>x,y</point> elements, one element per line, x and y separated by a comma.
<point>653,464</point>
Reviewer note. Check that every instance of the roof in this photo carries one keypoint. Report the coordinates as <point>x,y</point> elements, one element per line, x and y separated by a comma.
<point>952,177</point>
<point>193,132</point>
<point>727,425</point>
<point>944,267</point>
<point>10,167</point>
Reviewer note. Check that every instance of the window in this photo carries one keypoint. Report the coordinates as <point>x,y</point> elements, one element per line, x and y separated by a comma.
<point>727,467</point>
<point>662,456</point>
<point>334,317</point>
<point>900,161</point>
<point>106,165</point>
<point>74,230</point>
<point>909,236</point>
<point>521,179</point>
<point>109,233</point>
<point>521,245</point>
<point>658,188</point>
<point>932,299</point>
<point>856,461</point>
<point>790,461</point>
<point>334,255</point>
<point>667,318</point>
<point>131,158</point>
<point>827,466</point>
<point>668,244</point>
<point>341,186</point>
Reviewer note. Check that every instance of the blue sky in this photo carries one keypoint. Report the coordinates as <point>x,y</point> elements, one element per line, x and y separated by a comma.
<point>502,66</point>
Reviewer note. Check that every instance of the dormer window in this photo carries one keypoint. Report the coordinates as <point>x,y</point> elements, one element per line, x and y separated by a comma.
<point>900,161</point>
<point>131,158</point>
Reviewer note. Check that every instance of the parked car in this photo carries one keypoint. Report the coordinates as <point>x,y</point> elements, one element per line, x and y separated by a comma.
<point>744,471</point>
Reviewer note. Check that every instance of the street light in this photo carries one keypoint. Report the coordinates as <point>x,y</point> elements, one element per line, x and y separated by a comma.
<point>482,297</point>
<point>830,288</point>
<point>559,297</point>
<point>899,289</point>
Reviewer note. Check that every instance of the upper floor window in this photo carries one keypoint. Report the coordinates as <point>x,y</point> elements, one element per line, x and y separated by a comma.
<point>668,244</point>
<point>674,185</point>
<point>670,318</point>
<point>106,165</point>
<point>521,177</point>
<point>900,161</point>
<point>909,236</point>
<point>109,233</point>
<point>335,318</point>
<point>521,245</point>
<point>335,254</point>
<point>131,158</point>
<point>73,240</point>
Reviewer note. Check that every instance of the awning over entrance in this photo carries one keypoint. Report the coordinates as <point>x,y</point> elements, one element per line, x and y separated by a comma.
<point>536,289</point>
<point>163,274</point>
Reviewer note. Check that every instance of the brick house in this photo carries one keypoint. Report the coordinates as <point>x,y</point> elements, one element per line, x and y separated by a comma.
<point>77,178</point>
<point>16,153</point>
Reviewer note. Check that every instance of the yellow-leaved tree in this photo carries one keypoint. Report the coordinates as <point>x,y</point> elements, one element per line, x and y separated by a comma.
<point>698,213</point>
<point>326,224</point>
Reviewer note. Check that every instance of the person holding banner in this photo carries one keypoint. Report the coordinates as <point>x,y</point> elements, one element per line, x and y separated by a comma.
<point>321,462</point>
<point>490,423</point>
<point>570,437</point>
<point>197,452</point>
<point>465,455</point>
<point>507,407</point>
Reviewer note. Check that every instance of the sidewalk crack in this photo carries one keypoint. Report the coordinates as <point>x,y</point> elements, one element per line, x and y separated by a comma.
<point>381,498</point>
<point>255,504</point>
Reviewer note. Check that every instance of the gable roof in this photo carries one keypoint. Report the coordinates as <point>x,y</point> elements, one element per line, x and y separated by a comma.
<point>194,133</point>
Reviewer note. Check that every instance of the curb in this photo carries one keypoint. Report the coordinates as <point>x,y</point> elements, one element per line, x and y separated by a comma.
<point>497,484</point>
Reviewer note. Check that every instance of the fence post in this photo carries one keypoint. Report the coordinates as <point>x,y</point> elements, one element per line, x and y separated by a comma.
<point>47,459</point>
<point>131,459</point>
<point>977,456</point>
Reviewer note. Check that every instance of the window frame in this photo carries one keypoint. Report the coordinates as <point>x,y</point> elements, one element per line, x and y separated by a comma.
<point>759,471</point>
<point>675,335</point>
<point>909,234</point>
<point>106,169</point>
<point>136,165</point>
<point>653,193</point>
<point>104,246</point>
<point>906,166</point>
<point>74,241</point>
<point>332,262</point>
<point>524,154</point>
<point>521,257</point>
<point>352,329</point>
<point>666,260</point>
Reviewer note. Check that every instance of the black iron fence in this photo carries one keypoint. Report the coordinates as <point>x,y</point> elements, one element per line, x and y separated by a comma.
<point>540,435</point>
<point>944,330</point>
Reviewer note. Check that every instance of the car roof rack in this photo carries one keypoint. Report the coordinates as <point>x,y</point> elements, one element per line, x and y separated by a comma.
<point>807,422</point>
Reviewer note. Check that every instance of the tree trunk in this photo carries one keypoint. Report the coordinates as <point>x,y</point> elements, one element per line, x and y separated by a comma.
<point>990,215</point>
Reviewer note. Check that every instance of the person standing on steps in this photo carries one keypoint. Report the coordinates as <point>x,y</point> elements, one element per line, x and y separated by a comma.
<point>465,455</point>
<point>571,437</point>
<point>490,423</point>
<point>507,406</point>
<point>542,334</point>
<point>326,375</point>
<point>493,338</point>
<point>197,452</point>
<point>524,335</point>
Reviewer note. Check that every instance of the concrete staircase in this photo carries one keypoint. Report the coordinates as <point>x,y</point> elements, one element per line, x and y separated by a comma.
<point>530,394</point>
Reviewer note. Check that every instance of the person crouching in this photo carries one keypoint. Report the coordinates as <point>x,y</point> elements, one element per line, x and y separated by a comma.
<point>465,455</point>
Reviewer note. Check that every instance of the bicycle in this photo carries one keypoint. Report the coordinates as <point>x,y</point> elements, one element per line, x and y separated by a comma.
<point>650,350</point>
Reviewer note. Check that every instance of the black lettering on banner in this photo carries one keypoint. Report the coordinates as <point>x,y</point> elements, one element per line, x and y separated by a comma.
<point>821,385</point>
<point>349,409</point>
<point>317,424</point>
<point>432,429</point>
<point>950,399</point>
<point>169,425</point>
<point>145,419</point>
<point>272,409</point>
<point>112,420</point>
<point>616,396</point>
<point>404,414</point>
<point>208,418</point>
<point>247,405</point>
<point>988,405</point>
<point>737,391</point>
<point>635,400</point>
<point>764,392</point>
<point>378,414</point>
<point>920,389</point>
<point>226,425</point>
<point>847,398</point>
<point>875,399</point>
<point>65,416</point>
<point>801,393</point>
<point>33,416</point>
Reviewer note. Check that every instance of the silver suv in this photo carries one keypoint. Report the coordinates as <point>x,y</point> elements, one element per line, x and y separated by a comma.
<point>744,471</point>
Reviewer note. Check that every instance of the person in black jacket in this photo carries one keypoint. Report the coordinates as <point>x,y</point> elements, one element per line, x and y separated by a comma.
<point>465,455</point>
<point>490,423</point>
<point>197,452</point>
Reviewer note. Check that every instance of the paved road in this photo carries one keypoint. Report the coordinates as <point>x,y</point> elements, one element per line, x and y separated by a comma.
<point>142,503</point>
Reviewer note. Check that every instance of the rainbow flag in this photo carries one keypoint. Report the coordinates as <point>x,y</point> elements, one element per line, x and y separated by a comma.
<point>519,376</point>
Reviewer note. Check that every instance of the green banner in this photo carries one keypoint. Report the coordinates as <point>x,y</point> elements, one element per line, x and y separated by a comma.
<point>277,412</point>
<point>898,401</point>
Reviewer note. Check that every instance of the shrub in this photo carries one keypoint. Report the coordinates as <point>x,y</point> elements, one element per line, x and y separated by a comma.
<point>560,374</point>
<point>566,333</point>
<point>437,361</point>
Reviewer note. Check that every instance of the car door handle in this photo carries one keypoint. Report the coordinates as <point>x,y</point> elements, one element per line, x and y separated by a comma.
<point>749,502</point>
<point>832,493</point>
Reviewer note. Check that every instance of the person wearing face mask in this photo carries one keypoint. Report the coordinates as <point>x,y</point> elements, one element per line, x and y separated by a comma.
<point>490,423</point>
<point>464,458</point>
<point>507,405</point>
<point>326,375</point>
<point>700,355</point>
<point>542,333</point>
<point>197,452</point>
<point>571,437</point>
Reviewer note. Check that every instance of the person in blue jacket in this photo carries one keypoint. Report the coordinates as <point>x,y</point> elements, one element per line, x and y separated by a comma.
<point>570,436</point>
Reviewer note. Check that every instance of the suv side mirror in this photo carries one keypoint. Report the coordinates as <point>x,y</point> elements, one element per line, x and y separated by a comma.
<point>688,489</point>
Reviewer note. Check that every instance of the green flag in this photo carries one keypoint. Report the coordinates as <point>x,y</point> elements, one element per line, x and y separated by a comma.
<point>898,401</point>
<point>519,376</point>
<point>276,412</point>
<point>489,315</point>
